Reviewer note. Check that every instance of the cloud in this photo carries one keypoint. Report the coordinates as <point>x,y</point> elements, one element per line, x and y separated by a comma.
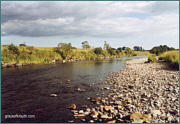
<point>92,19</point>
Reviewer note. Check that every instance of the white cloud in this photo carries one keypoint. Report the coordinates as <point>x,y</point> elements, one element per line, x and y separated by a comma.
<point>100,19</point>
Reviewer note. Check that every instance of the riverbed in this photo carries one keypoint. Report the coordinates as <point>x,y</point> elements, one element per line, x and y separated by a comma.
<point>27,90</point>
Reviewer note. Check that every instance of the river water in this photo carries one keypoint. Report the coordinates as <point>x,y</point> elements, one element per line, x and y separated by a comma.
<point>26,90</point>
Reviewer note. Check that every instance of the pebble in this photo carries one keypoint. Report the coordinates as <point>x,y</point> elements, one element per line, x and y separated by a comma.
<point>72,106</point>
<point>53,95</point>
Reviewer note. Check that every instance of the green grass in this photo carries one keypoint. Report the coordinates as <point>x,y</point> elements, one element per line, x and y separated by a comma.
<point>152,58</point>
<point>171,57</point>
<point>30,54</point>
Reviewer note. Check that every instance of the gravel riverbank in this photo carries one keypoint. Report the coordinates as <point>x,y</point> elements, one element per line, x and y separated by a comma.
<point>141,92</point>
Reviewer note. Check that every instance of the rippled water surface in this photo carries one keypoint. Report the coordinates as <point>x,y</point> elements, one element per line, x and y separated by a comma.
<point>26,90</point>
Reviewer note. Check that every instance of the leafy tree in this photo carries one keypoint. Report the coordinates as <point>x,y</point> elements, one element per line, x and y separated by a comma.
<point>22,44</point>
<point>66,47</point>
<point>111,51</point>
<point>120,49</point>
<point>117,52</point>
<point>63,49</point>
<point>85,45</point>
<point>160,49</point>
<point>128,51</point>
<point>137,48</point>
<point>98,50</point>
<point>106,45</point>
<point>123,48</point>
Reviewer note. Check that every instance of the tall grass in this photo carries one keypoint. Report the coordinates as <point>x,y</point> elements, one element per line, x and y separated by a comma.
<point>152,58</point>
<point>30,54</point>
<point>171,57</point>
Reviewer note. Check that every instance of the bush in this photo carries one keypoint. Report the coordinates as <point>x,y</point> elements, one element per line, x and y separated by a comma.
<point>13,48</point>
<point>111,51</point>
<point>98,50</point>
<point>63,55</point>
<point>134,54</point>
<point>46,60</point>
<point>171,57</point>
<point>152,58</point>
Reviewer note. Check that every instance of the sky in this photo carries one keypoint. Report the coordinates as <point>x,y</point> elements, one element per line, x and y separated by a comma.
<point>119,23</point>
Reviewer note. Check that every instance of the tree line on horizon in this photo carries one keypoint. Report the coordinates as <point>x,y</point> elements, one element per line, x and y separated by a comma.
<point>66,50</point>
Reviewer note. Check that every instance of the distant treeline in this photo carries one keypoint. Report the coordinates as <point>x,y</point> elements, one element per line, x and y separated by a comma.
<point>63,51</point>
<point>161,49</point>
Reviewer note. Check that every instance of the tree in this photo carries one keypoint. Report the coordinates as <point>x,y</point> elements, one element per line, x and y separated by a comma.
<point>128,51</point>
<point>117,52</point>
<point>98,50</point>
<point>123,48</point>
<point>106,45</point>
<point>65,47</point>
<point>120,49</point>
<point>138,48</point>
<point>85,45</point>
<point>160,49</point>
<point>22,44</point>
<point>111,51</point>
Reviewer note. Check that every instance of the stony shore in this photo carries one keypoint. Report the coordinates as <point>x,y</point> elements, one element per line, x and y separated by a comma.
<point>141,92</point>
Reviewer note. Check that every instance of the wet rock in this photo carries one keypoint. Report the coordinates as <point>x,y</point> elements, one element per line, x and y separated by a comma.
<point>4,65</point>
<point>107,88</point>
<point>137,121</point>
<point>84,106</point>
<point>70,121</point>
<point>113,121</point>
<point>18,65</point>
<point>83,120</point>
<point>9,65</point>
<point>81,111</point>
<point>91,121</point>
<point>94,99</point>
<point>86,113</point>
<point>107,108</point>
<point>72,106</point>
<point>94,114</point>
<point>79,115</point>
<point>53,95</point>
<point>88,109</point>
<point>82,90</point>
<point>104,116</point>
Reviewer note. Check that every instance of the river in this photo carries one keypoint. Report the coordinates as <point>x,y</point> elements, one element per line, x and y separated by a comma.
<point>26,90</point>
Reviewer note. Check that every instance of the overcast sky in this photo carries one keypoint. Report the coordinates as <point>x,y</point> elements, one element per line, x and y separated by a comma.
<point>120,23</point>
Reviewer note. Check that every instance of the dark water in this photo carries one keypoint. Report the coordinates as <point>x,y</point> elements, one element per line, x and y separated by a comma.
<point>25,90</point>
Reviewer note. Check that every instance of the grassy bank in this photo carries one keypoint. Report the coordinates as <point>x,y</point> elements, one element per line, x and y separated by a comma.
<point>171,57</point>
<point>29,54</point>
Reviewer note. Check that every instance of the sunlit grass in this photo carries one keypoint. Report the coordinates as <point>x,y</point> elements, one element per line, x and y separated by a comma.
<point>171,57</point>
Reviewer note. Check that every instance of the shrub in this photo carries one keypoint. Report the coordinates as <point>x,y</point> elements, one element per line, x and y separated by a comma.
<point>63,55</point>
<point>111,51</point>
<point>171,57</point>
<point>98,50</point>
<point>152,58</point>
<point>46,60</point>
<point>13,48</point>
<point>134,54</point>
